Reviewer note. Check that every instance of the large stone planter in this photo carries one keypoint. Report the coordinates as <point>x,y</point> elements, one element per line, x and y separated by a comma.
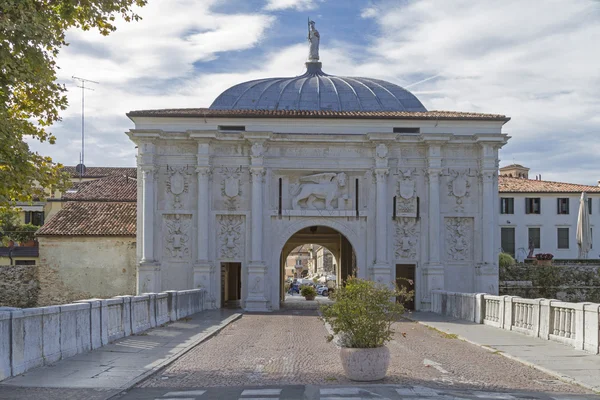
<point>365,365</point>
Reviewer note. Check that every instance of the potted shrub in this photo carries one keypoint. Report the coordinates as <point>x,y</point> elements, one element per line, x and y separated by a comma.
<point>362,318</point>
<point>544,258</point>
<point>309,292</point>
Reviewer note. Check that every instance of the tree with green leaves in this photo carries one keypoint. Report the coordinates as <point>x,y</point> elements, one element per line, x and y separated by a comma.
<point>32,33</point>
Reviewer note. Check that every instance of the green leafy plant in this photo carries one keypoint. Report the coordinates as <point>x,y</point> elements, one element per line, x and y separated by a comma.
<point>32,32</point>
<point>505,260</point>
<point>363,313</point>
<point>308,291</point>
<point>24,233</point>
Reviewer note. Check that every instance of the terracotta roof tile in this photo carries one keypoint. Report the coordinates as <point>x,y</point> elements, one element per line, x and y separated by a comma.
<point>210,113</point>
<point>110,188</point>
<point>92,219</point>
<point>508,184</point>
<point>99,172</point>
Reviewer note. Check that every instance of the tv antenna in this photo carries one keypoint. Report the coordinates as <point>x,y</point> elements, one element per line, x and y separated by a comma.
<point>81,167</point>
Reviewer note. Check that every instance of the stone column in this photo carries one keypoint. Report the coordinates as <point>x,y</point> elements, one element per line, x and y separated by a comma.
<point>488,217</point>
<point>487,272</point>
<point>257,270</point>
<point>203,212</point>
<point>258,174</point>
<point>203,269</point>
<point>381,269</point>
<point>148,213</point>
<point>148,270</point>
<point>381,222</point>
<point>434,270</point>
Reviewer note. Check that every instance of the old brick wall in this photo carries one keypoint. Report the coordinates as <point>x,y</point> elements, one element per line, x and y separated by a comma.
<point>19,286</point>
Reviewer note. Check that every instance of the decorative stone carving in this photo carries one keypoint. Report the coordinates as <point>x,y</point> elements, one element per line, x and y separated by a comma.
<point>230,186</point>
<point>458,186</point>
<point>231,236</point>
<point>413,152</point>
<point>407,238</point>
<point>257,173</point>
<point>257,150</point>
<point>177,183</point>
<point>406,199</point>
<point>325,187</point>
<point>257,287</point>
<point>381,151</point>
<point>178,235</point>
<point>177,149</point>
<point>459,238</point>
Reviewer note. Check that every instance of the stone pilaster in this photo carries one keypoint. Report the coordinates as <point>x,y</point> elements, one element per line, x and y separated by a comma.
<point>203,272</point>
<point>434,270</point>
<point>148,274</point>
<point>487,271</point>
<point>257,270</point>
<point>381,270</point>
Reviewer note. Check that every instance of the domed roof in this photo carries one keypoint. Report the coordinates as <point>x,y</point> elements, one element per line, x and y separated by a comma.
<point>316,90</point>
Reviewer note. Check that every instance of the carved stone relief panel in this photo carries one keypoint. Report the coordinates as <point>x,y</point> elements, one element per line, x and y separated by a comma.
<point>459,238</point>
<point>177,149</point>
<point>459,152</point>
<point>177,236</point>
<point>413,152</point>
<point>406,196</point>
<point>231,236</point>
<point>231,189</point>
<point>229,149</point>
<point>324,191</point>
<point>177,184</point>
<point>407,238</point>
<point>459,187</point>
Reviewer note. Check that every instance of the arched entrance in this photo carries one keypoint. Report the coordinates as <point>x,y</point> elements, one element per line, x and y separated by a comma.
<point>311,240</point>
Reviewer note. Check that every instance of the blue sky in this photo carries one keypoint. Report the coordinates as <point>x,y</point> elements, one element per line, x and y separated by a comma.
<point>537,62</point>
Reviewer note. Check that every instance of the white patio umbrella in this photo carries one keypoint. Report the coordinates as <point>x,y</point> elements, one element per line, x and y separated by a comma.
<point>584,231</point>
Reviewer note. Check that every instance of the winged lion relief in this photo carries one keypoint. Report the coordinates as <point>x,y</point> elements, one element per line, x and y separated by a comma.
<point>319,191</point>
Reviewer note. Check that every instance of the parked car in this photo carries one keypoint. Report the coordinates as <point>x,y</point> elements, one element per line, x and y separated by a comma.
<point>323,290</point>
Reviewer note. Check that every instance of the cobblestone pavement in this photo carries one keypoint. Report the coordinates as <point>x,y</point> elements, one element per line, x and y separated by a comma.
<point>309,392</point>
<point>289,348</point>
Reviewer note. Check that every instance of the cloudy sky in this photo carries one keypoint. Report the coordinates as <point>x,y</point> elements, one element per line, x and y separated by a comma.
<point>535,61</point>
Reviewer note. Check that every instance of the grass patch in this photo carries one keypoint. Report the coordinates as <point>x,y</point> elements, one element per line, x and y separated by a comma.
<point>330,378</point>
<point>497,352</point>
<point>443,334</point>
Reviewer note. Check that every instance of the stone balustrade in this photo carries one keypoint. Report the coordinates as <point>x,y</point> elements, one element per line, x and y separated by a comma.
<point>32,337</point>
<point>573,324</point>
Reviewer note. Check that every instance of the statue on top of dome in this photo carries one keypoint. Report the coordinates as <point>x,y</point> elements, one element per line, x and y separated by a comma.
<point>313,39</point>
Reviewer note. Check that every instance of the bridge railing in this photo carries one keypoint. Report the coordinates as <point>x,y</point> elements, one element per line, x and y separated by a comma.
<point>573,324</point>
<point>32,337</point>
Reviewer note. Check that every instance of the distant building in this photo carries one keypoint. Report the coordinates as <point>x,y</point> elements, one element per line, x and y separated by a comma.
<point>89,245</point>
<point>544,212</point>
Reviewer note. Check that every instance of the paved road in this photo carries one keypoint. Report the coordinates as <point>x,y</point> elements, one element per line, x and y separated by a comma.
<point>310,392</point>
<point>290,349</point>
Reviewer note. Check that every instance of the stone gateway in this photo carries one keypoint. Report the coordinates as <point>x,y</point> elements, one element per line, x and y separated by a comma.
<point>357,165</point>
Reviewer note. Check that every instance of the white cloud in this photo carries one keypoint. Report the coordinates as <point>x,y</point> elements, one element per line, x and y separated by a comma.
<point>537,65</point>
<point>300,5</point>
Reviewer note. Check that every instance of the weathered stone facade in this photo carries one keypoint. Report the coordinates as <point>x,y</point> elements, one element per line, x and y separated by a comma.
<point>209,197</point>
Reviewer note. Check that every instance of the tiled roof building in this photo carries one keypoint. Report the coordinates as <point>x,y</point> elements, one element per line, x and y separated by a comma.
<point>110,188</point>
<point>519,185</point>
<point>82,218</point>
<point>100,172</point>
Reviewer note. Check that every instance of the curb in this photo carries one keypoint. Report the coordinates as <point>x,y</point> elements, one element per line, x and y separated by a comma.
<point>564,378</point>
<point>177,356</point>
